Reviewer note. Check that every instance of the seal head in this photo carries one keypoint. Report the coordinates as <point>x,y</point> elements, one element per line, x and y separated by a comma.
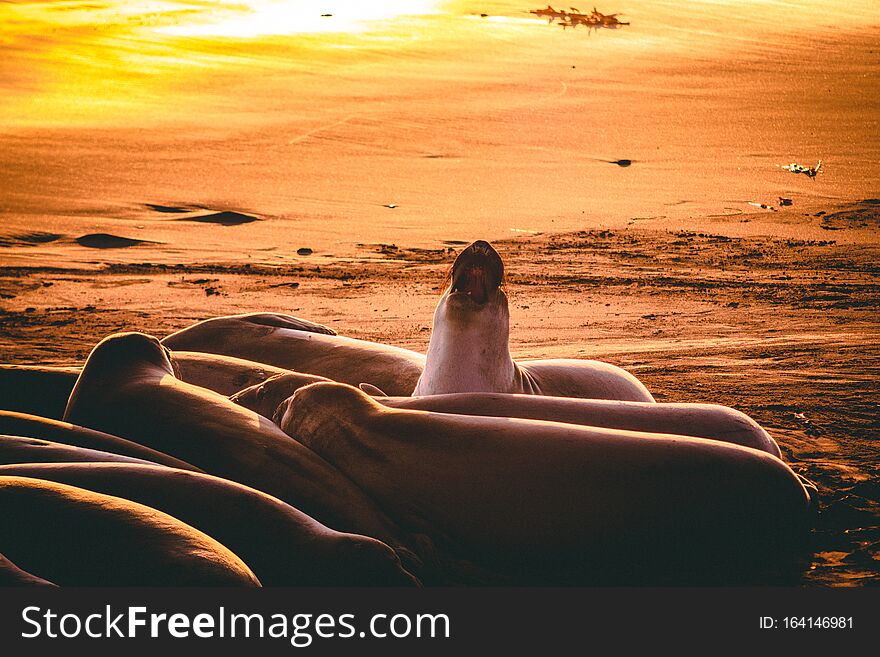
<point>469,349</point>
<point>477,273</point>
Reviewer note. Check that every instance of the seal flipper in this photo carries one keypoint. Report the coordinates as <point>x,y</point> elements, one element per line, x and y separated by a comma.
<point>372,390</point>
<point>12,575</point>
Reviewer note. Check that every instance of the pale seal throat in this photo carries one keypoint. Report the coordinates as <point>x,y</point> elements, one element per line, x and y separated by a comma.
<point>468,351</point>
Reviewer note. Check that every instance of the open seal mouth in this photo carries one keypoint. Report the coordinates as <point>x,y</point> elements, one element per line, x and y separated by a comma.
<point>478,272</point>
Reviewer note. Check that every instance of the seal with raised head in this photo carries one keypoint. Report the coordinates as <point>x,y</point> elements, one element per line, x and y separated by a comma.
<point>469,349</point>
<point>128,388</point>
<point>75,537</point>
<point>551,502</point>
<point>283,546</point>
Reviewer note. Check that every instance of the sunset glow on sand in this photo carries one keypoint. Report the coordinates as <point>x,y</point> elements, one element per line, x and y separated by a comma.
<point>260,18</point>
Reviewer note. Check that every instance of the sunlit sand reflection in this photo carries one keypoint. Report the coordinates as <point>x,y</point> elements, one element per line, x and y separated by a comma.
<point>276,17</point>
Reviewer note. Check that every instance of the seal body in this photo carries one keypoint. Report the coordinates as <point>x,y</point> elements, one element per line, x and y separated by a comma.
<point>283,546</point>
<point>22,424</point>
<point>75,537</point>
<point>223,374</point>
<point>285,341</point>
<point>21,449</point>
<point>711,421</point>
<point>36,389</point>
<point>547,502</point>
<point>44,390</point>
<point>128,388</point>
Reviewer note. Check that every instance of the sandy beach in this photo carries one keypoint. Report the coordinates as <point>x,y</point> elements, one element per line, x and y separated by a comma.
<point>333,175</point>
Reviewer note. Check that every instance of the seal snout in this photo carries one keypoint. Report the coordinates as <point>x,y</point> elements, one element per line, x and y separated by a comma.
<point>478,272</point>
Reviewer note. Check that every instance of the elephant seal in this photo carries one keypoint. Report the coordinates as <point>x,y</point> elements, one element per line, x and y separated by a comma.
<point>281,340</point>
<point>547,502</point>
<point>43,390</point>
<point>711,421</point>
<point>22,424</point>
<point>74,537</point>
<point>21,449</point>
<point>11,575</point>
<point>264,397</point>
<point>36,389</point>
<point>283,546</point>
<point>128,388</point>
<point>469,349</point>
<point>223,374</point>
